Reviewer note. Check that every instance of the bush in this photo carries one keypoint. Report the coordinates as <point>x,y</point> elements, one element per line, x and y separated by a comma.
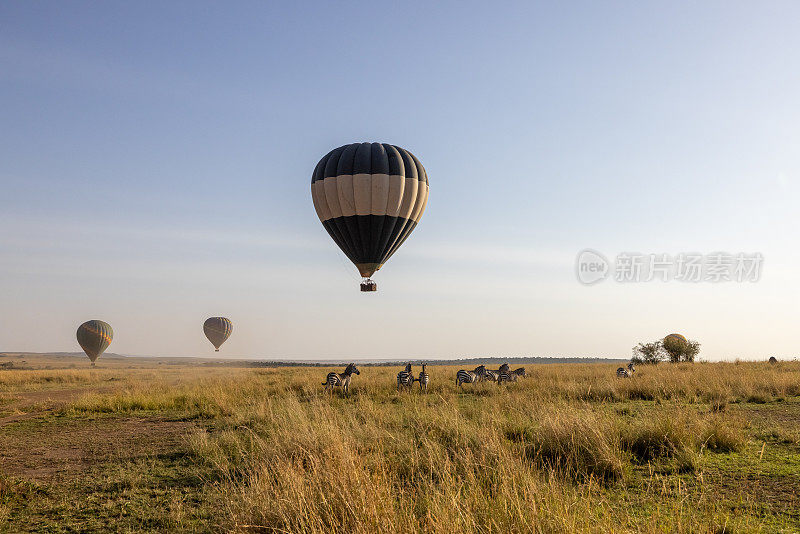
<point>580,446</point>
<point>681,351</point>
<point>648,353</point>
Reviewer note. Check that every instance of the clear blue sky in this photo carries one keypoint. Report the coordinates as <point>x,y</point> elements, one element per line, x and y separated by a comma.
<point>155,164</point>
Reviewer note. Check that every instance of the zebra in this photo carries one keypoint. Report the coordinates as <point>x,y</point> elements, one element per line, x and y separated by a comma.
<point>470,377</point>
<point>343,379</point>
<point>423,379</point>
<point>494,376</point>
<point>626,373</point>
<point>405,378</point>
<point>511,376</point>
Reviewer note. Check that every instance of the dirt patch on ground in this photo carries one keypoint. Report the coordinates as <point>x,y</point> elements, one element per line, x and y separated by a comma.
<point>51,449</point>
<point>787,413</point>
<point>778,494</point>
<point>25,405</point>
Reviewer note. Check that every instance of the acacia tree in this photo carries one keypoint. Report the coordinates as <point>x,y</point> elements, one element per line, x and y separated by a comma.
<point>691,351</point>
<point>681,351</point>
<point>648,353</point>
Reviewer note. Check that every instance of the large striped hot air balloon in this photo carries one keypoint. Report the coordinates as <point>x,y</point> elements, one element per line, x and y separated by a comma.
<point>369,197</point>
<point>217,330</point>
<point>94,337</point>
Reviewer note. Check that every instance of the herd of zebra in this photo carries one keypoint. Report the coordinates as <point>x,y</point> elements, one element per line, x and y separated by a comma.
<point>406,378</point>
<point>481,373</point>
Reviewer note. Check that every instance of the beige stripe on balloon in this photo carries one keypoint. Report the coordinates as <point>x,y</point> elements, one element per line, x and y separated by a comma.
<point>362,193</point>
<point>397,185</point>
<point>332,196</point>
<point>347,201</point>
<point>369,194</point>
<point>320,202</point>
<point>421,202</point>
<point>379,192</point>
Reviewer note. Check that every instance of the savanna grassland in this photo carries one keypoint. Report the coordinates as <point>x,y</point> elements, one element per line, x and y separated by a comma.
<point>706,447</point>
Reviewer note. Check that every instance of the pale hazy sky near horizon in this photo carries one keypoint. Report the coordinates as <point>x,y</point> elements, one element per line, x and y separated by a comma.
<point>156,159</point>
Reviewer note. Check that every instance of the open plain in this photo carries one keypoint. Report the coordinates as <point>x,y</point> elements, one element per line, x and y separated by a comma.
<point>149,445</point>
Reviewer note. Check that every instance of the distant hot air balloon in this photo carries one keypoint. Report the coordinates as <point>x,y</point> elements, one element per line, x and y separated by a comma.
<point>217,330</point>
<point>674,343</point>
<point>674,338</point>
<point>94,337</point>
<point>369,197</point>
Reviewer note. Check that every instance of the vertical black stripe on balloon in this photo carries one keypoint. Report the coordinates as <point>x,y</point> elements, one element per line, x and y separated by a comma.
<point>377,223</point>
<point>362,164</point>
<point>397,234</point>
<point>345,165</point>
<point>365,233</point>
<point>391,227</point>
<point>379,165</point>
<point>392,224</point>
<point>347,237</point>
<point>411,171</point>
<point>333,231</point>
<point>406,232</point>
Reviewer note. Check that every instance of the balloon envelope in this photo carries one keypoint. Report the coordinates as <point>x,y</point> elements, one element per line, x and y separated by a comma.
<point>675,338</point>
<point>369,197</point>
<point>674,342</point>
<point>217,330</point>
<point>94,337</point>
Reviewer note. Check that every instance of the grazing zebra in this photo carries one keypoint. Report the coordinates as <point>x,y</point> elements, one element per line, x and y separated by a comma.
<point>494,376</point>
<point>423,379</point>
<point>626,373</point>
<point>405,378</point>
<point>511,376</point>
<point>481,372</point>
<point>343,379</point>
<point>470,377</point>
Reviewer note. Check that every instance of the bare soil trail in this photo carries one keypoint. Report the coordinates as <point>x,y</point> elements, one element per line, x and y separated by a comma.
<point>35,446</point>
<point>32,404</point>
<point>59,449</point>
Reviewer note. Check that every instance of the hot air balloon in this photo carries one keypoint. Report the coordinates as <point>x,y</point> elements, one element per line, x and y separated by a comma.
<point>676,339</point>
<point>217,330</point>
<point>369,197</point>
<point>94,337</point>
<point>675,344</point>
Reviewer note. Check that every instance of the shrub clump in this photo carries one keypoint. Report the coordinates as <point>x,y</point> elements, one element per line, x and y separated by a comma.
<point>678,436</point>
<point>580,446</point>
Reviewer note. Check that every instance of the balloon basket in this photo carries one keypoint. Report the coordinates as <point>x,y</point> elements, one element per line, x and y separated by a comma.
<point>368,285</point>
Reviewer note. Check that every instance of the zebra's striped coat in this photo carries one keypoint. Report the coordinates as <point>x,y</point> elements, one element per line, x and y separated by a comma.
<point>423,379</point>
<point>511,376</point>
<point>341,379</point>
<point>622,372</point>
<point>494,376</point>
<point>470,377</point>
<point>405,378</point>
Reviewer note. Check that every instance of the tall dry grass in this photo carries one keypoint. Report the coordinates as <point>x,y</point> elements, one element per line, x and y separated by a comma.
<point>572,448</point>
